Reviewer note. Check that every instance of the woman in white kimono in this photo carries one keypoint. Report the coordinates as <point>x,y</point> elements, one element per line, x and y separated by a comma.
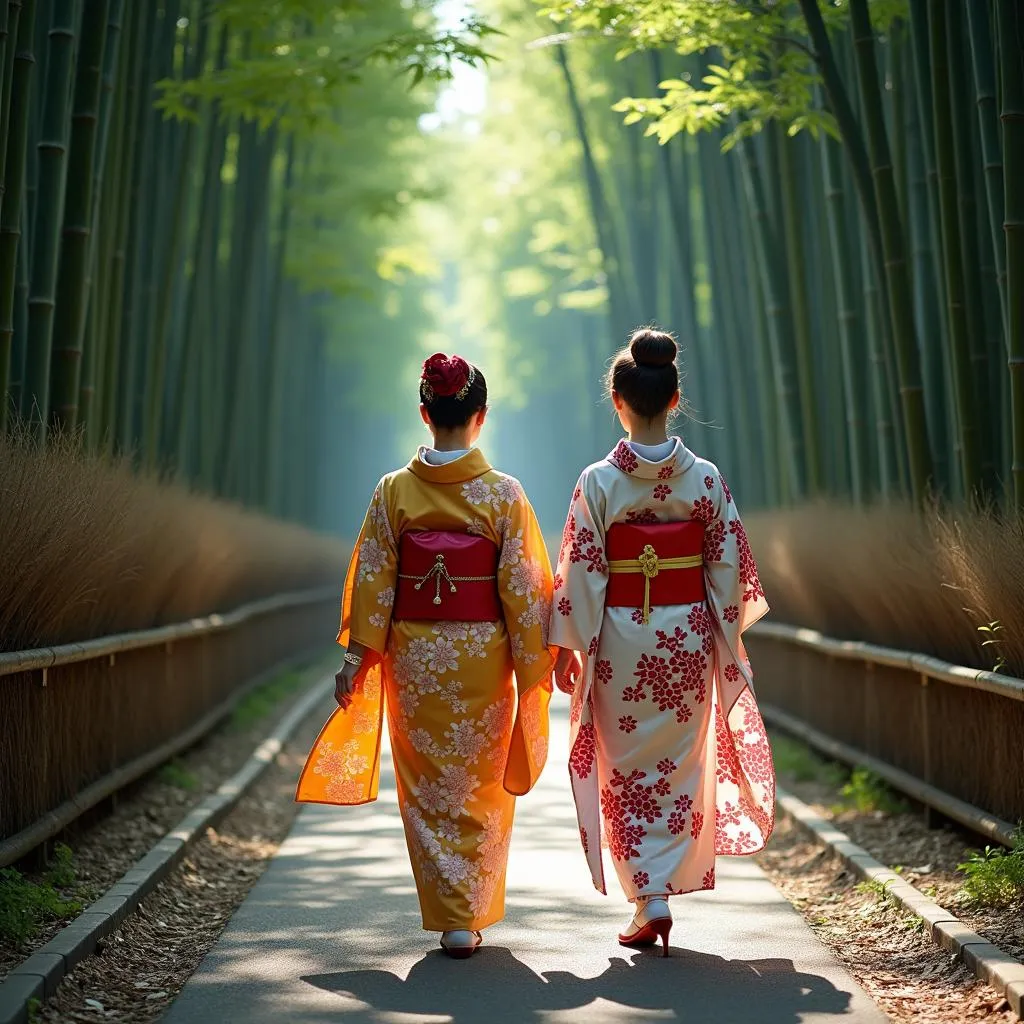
<point>654,588</point>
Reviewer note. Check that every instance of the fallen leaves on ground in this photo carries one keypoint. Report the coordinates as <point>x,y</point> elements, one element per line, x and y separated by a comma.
<point>882,945</point>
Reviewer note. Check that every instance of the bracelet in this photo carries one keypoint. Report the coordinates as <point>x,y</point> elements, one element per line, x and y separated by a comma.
<point>353,659</point>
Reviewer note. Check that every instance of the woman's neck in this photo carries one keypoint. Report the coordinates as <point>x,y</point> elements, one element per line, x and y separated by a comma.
<point>650,433</point>
<point>452,441</point>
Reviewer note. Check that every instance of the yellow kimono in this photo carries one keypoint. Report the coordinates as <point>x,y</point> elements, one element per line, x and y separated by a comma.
<point>466,735</point>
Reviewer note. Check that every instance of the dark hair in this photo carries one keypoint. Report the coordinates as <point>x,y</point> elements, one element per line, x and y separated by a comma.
<point>447,411</point>
<point>644,373</point>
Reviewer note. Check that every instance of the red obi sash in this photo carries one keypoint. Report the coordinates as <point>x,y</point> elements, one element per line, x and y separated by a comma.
<point>656,564</point>
<point>447,576</point>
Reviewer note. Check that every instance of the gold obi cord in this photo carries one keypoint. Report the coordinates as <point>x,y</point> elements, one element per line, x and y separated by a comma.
<point>439,571</point>
<point>650,565</point>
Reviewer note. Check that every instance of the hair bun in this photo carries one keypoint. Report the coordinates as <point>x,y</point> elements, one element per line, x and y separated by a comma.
<point>652,348</point>
<point>444,376</point>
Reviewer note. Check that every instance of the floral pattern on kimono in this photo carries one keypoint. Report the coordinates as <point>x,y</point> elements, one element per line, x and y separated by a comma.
<point>466,702</point>
<point>669,758</point>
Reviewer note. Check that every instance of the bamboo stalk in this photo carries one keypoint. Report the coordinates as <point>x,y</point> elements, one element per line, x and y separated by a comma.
<point>169,270</point>
<point>897,86</point>
<point>783,370</point>
<point>255,157</point>
<point>677,174</point>
<point>731,342</point>
<point>11,215</point>
<point>926,295</point>
<point>618,305</point>
<point>847,316</point>
<point>900,311</point>
<point>111,227</point>
<point>10,18</point>
<point>186,391</point>
<point>121,198</point>
<point>273,396</point>
<point>965,145</point>
<point>90,338</point>
<point>797,278</point>
<point>982,65</point>
<point>43,19</point>
<point>49,214</point>
<point>6,60</point>
<point>919,36</point>
<point>885,462</point>
<point>72,277</point>
<point>20,349</point>
<point>1010,21</point>
<point>138,250</point>
<point>641,226</point>
<point>960,361</point>
<point>162,195</point>
<point>830,377</point>
<point>849,129</point>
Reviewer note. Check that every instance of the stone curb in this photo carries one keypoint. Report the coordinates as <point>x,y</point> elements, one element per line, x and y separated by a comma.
<point>984,959</point>
<point>37,977</point>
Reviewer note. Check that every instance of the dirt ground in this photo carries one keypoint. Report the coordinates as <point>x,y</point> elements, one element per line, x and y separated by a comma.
<point>143,965</point>
<point>886,948</point>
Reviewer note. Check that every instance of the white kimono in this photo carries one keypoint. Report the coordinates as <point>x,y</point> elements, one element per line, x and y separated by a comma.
<point>667,743</point>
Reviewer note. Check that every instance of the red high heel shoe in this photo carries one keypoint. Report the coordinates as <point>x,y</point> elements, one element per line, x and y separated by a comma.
<point>647,928</point>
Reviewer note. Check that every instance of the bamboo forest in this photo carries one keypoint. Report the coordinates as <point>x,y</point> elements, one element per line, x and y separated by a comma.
<point>231,231</point>
<point>223,223</point>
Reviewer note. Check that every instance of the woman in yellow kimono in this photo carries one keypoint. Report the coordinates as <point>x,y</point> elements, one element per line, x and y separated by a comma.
<point>445,619</point>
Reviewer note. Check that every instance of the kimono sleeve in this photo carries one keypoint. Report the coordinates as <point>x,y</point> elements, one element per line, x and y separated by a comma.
<point>581,578</point>
<point>525,585</point>
<point>736,599</point>
<point>371,581</point>
<point>344,765</point>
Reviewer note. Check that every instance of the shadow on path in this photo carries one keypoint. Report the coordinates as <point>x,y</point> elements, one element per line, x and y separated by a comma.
<point>690,986</point>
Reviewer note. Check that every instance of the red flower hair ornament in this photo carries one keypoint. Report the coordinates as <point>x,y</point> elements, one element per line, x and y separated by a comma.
<point>443,377</point>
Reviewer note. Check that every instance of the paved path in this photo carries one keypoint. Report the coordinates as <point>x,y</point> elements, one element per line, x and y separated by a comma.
<point>331,933</point>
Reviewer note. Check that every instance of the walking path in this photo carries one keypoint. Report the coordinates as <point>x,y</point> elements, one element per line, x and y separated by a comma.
<point>331,933</point>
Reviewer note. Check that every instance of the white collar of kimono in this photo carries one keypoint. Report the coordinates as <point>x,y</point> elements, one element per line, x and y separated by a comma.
<point>465,467</point>
<point>634,464</point>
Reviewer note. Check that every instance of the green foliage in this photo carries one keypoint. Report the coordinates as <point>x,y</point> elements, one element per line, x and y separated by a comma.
<point>992,639</point>
<point>174,773</point>
<point>994,877</point>
<point>294,63</point>
<point>866,792</point>
<point>763,66</point>
<point>880,890</point>
<point>26,905</point>
<point>263,700</point>
<point>60,871</point>
<point>889,904</point>
<point>797,761</point>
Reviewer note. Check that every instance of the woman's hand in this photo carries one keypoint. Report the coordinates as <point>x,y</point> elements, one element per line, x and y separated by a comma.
<point>568,670</point>
<point>345,678</point>
<point>345,684</point>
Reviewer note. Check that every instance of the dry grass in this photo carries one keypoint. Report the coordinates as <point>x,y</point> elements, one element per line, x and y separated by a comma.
<point>89,548</point>
<point>893,576</point>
